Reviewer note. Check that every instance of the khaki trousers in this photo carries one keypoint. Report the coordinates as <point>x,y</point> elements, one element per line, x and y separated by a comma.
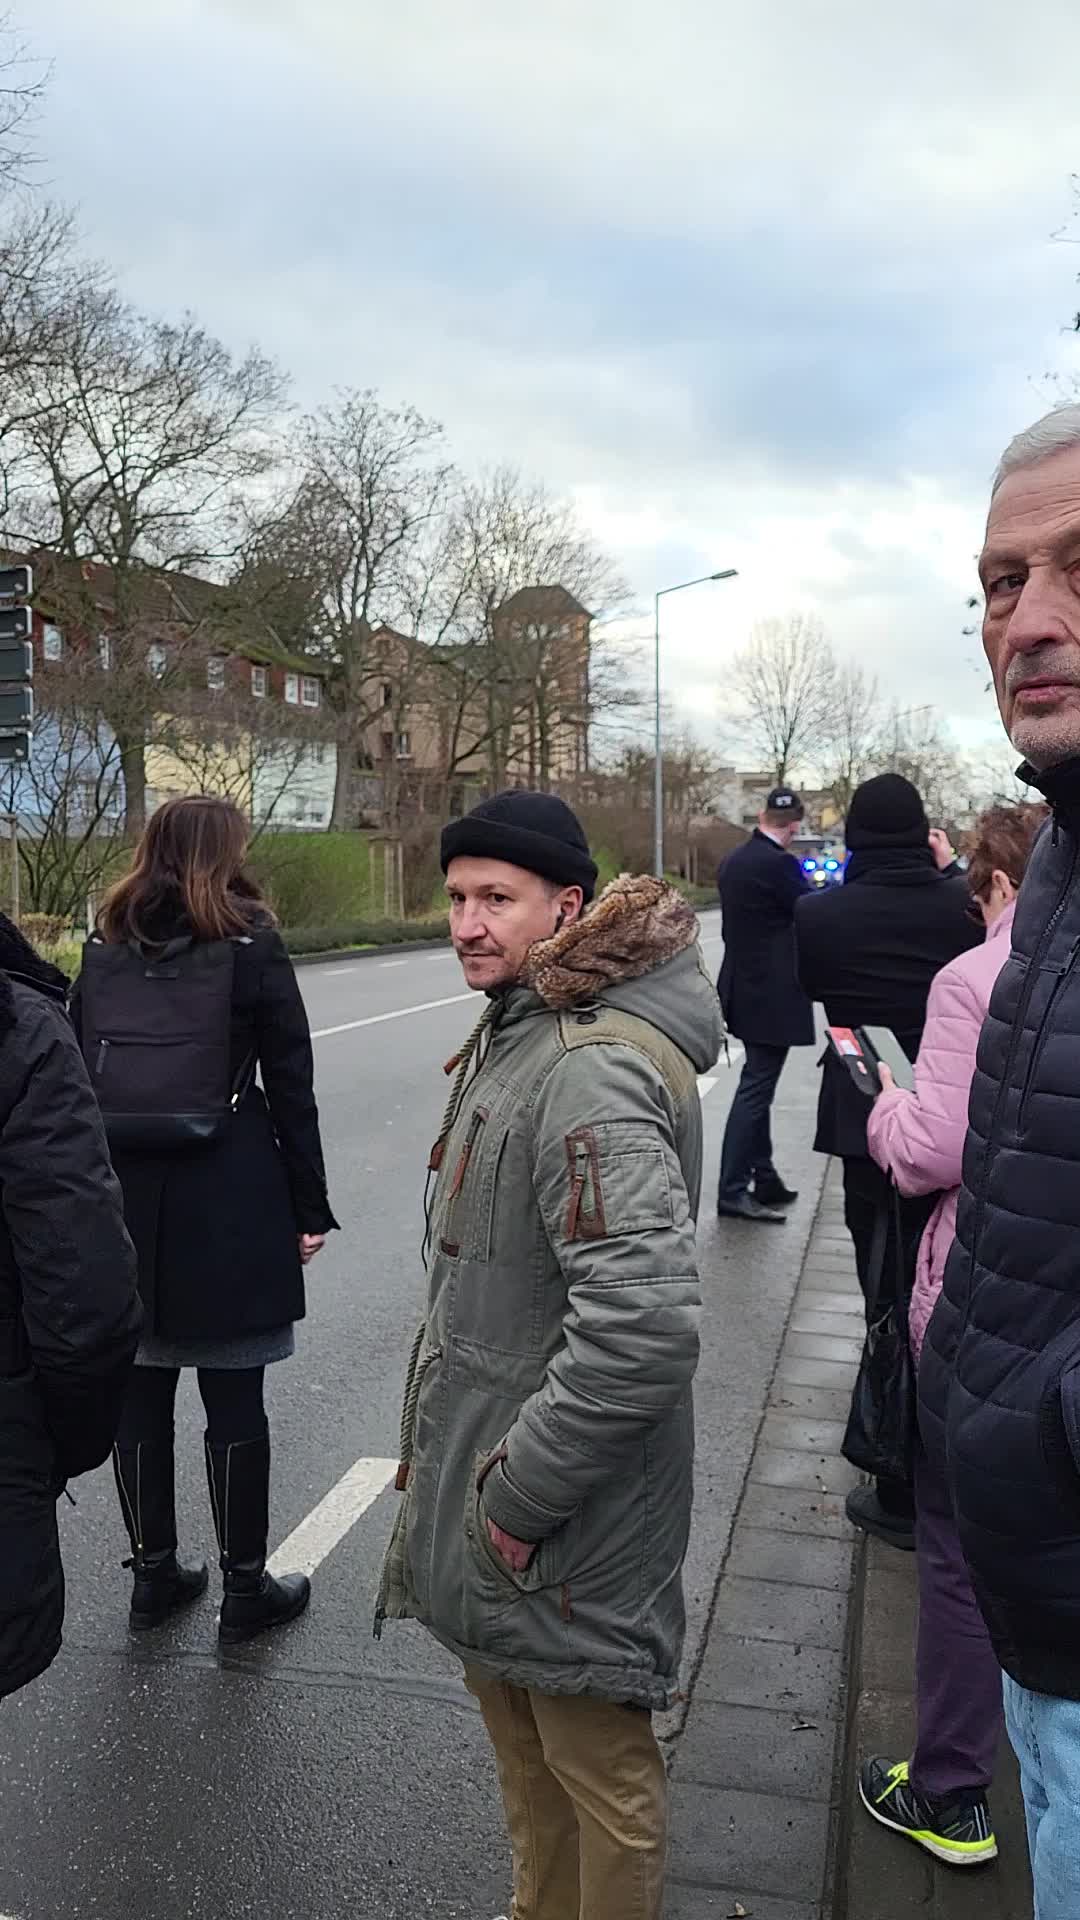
<point>585,1792</point>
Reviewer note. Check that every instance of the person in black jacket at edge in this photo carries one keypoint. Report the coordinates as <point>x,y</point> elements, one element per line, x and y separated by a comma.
<point>224,1232</point>
<point>869,950</point>
<point>69,1310</point>
<point>763,1004</point>
<point>999,1381</point>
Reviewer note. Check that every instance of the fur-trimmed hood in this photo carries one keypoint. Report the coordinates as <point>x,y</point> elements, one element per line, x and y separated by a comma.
<point>20,964</point>
<point>635,948</point>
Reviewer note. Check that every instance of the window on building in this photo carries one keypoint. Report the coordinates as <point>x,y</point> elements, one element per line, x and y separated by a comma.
<point>404,745</point>
<point>292,689</point>
<point>104,652</point>
<point>310,691</point>
<point>52,642</point>
<point>387,694</point>
<point>156,660</point>
<point>215,673</point>
<point>260,682</point>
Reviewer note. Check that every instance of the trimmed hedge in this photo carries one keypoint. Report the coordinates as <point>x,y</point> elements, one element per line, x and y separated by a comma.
<point>362,933</point>
<point>65,954</point>
<point>321,879</point>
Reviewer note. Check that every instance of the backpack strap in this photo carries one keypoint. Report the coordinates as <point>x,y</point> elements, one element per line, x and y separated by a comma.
<point>599,1025</point>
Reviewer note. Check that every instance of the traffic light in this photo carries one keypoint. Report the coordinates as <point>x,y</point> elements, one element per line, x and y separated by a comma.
<point>16,663</point>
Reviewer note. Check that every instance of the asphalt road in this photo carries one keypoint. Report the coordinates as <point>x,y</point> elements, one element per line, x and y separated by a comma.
<point>320,1774</point>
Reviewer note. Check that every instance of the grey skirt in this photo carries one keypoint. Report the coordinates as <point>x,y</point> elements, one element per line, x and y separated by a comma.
<point>246,1350</point>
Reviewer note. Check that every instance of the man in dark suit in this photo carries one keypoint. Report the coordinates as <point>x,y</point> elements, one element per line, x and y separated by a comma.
<point>869,950</point>
<point>764,1006</point>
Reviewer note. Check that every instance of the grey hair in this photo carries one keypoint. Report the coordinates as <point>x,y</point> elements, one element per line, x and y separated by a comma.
<point>1056,432</point>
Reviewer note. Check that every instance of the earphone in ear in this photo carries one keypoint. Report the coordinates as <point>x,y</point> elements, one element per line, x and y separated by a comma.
<point>560,920</point>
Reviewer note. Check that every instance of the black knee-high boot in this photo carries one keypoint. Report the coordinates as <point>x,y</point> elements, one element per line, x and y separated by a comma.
<point>239,1475</point>
<point>145,1482</point>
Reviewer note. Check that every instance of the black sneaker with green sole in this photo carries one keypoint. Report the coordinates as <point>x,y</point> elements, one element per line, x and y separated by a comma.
<point>955,1830</point>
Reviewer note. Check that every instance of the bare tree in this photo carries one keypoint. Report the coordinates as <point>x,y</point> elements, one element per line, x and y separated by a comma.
<point>852,731</point>
<point>505,605</point>
<point>783,685</point>
<point>138,437</point>
<point>373,480</point>
<point>913,742</point>
<point>23,80</point>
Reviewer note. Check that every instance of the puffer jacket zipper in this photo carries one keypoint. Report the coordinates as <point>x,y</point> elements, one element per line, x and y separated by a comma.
<point>1015,1037</point>
<point>1039,1042</point>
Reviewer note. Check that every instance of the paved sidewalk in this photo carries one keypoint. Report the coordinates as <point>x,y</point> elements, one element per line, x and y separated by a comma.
<point>808,1665</point>
<point>753,1774</point>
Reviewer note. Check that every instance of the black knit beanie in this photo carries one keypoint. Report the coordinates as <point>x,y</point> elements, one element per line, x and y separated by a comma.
<point>536,831</point>
<point>886,812</point>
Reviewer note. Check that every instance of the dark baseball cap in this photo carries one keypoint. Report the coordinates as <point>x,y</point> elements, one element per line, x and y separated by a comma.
<point>785,800</point>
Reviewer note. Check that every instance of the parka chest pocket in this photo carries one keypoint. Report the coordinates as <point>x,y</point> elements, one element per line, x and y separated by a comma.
<point>466,1216</point>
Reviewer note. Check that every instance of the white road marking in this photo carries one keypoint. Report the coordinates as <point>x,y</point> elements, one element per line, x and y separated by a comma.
<point>707,1081</point>
<point>327,1524</point>
<point>392,963</point>
<point>399,1013</point>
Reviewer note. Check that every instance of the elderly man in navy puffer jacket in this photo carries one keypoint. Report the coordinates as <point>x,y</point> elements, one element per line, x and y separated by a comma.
<point>1000,1376</point>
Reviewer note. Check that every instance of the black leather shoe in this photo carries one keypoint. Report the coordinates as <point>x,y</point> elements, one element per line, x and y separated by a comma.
<point>771,1192</point>
<point>746,1207</point>
<point>864,1509</point>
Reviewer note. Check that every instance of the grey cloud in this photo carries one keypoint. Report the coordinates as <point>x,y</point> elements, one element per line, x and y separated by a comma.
<point>711,263</point>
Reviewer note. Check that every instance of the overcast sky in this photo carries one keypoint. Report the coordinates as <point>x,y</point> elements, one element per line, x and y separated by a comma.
<point>761,286</point>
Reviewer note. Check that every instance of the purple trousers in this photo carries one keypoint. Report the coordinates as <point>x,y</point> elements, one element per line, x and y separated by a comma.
<point>957,1675</point>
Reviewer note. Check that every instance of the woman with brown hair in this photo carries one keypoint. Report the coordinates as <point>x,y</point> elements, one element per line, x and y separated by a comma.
<point>186,993</point>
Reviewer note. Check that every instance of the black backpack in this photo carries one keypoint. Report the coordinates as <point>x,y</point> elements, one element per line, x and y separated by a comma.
<point>156,1039</point>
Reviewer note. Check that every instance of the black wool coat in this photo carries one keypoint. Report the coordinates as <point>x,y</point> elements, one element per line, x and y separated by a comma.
<point>869,951</point>
<point>216,1228</point>
<point>760,885</point>
<point>69,1312</point>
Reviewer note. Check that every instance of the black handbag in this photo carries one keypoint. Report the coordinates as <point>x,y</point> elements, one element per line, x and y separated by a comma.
<point>882,1424</point>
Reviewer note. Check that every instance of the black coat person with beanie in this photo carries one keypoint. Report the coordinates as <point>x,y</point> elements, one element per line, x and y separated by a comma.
<point>223,1230</point>
<point>869,951</point>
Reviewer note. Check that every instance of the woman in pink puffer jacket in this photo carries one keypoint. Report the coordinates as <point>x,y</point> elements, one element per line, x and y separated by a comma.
<point>939,1798</point>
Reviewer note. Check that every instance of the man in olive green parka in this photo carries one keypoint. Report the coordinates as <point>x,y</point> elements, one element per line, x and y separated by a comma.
<point>548,1433</point>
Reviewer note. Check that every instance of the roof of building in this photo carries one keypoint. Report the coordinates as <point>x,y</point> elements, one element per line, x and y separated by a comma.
<point>543,603</point>
<point>169,598</point>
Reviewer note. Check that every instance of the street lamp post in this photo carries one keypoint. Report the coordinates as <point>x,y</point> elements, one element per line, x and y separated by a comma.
<point>726,573</point>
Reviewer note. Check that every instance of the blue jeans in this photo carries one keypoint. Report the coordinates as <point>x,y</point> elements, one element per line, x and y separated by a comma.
<point>1045,1734</point>
<point>747,1148</point>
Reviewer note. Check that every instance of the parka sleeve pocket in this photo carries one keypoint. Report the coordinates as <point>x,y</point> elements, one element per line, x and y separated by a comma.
<point>618,1181</point>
